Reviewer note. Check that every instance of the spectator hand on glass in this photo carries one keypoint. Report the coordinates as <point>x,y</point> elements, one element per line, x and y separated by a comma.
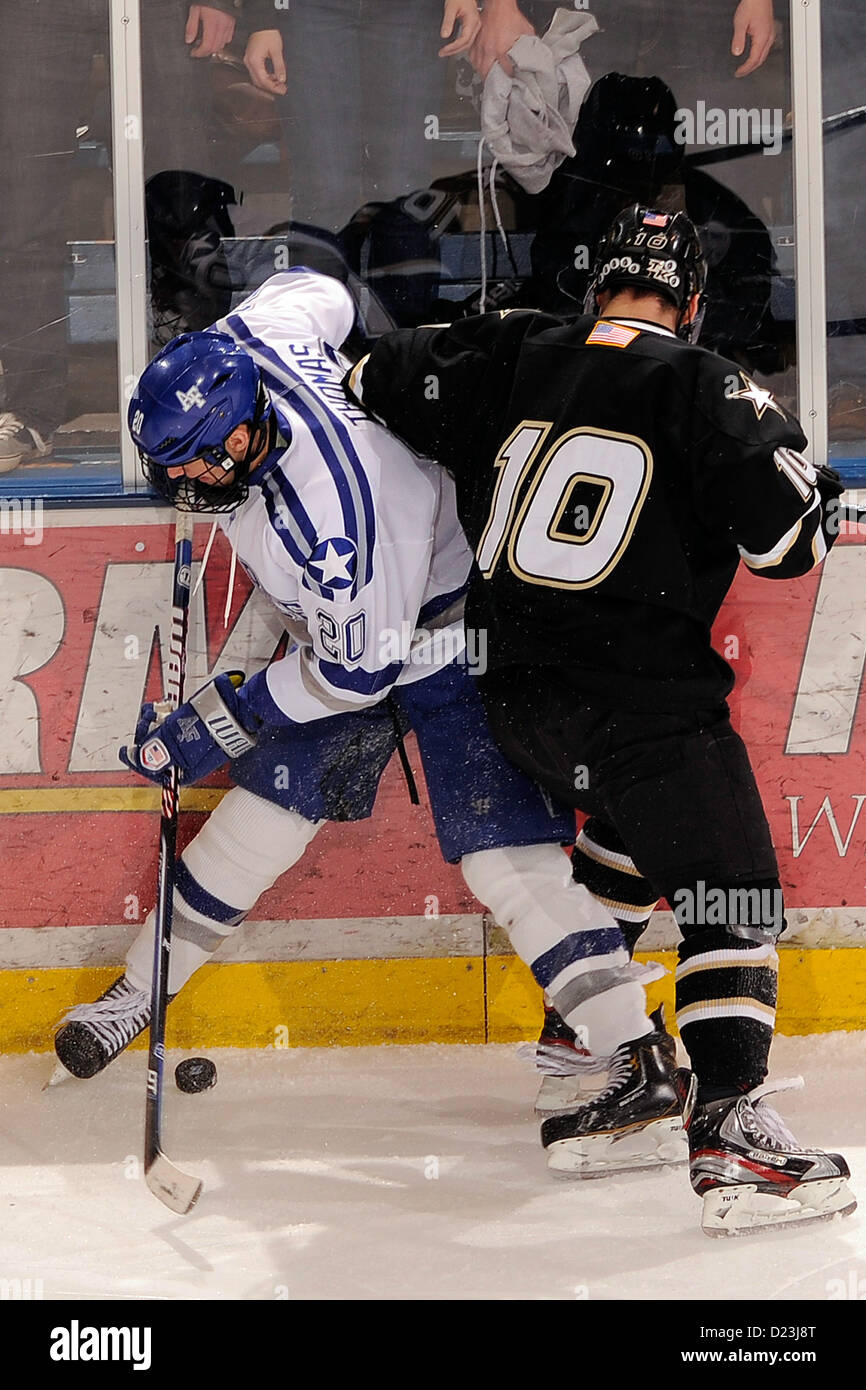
<point>214,30</point>
<point>265,61</point>
<point>753,20</point>
<point>468,16</point>
<point>501,24</point>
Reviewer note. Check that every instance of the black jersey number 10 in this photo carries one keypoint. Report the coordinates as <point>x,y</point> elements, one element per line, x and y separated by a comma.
<point>532,516</point>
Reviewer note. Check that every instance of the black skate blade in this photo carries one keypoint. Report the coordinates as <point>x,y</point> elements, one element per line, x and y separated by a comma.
<point>177,1190</point>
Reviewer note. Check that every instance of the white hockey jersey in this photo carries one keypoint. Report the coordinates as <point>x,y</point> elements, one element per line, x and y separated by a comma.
<point>353,537</point>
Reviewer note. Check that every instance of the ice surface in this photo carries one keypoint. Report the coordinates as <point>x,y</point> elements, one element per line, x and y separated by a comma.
<point>390,1172</point>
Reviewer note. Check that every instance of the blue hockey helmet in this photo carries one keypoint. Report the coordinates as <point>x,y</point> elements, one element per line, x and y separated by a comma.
<point>187,402</point>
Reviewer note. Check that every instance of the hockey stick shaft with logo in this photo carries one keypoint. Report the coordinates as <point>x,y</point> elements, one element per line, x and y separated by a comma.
<point>176,1189</point>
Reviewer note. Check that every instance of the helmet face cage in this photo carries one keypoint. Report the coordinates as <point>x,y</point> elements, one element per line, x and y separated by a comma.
<point>656,251</point>
<point>193,495</point>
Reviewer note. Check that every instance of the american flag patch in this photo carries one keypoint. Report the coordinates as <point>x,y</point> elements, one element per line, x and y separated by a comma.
<point>656,219</point>
<point>613,334</point>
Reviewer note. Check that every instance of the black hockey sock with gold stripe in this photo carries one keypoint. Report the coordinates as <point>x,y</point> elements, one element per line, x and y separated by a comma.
<point>601,863</point>
<point>726,1008</point>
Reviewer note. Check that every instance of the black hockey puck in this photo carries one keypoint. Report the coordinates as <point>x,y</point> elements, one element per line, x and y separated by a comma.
<point>195,1074</point>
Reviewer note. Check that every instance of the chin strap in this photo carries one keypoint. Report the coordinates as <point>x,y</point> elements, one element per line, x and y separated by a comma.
<point>232,571</point>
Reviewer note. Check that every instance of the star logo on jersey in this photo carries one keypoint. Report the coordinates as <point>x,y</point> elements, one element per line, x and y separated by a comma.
<point>334,563</point>
<point>759,397</point>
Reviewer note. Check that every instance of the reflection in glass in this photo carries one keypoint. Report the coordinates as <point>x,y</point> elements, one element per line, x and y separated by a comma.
<point>844,68</point>
<point>58,390</point>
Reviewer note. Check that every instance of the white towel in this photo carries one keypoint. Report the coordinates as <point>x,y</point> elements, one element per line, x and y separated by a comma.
<point>527,120</point>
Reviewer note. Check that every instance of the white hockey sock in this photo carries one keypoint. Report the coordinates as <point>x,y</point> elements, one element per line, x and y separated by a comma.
<point>571,943</point>
<point>241,850</point>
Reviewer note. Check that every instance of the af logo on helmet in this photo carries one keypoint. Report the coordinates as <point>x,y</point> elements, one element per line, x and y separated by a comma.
<point>188,399</point>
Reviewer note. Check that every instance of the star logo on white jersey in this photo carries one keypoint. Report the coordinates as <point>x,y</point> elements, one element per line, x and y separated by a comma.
<point>334,563</point>
<point>760,398</point>
<point>187,399</point>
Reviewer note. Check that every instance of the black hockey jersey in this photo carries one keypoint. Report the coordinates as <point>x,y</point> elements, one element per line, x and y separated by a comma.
<point>610,477</point>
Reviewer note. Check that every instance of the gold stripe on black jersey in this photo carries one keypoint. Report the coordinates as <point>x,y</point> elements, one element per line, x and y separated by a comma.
<point>777,554</point>
<point>357,372</point>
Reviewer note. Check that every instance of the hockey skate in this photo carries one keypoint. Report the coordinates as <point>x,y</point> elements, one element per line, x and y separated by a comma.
<point>570,1073</point>
<point>564,1082</point>
<point>637,1121</point>
<point>750,1172</point>
<point>92,1035</point>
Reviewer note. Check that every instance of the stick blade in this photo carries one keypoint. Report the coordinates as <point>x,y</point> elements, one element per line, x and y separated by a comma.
<point>58,1077</point>
<point>178,1191</point>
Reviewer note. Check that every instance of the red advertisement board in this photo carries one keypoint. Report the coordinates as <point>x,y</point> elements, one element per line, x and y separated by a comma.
<point>79,653</point>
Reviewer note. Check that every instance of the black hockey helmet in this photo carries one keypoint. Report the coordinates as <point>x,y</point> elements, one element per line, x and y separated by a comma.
<point>626,135</point>
<point>657,251</point>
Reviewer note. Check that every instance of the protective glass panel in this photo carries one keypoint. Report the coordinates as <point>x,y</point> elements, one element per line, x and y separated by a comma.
<point>844,68</point>
<point>675,119</point>
<point>304,134</point>
<point>332,133</point>
<point>58,335</point>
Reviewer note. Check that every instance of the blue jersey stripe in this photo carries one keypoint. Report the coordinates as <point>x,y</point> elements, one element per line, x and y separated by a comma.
<point>295,530</point>
<point>276,514</point>
<point>296,508</point>
<point>360,682</point>
<point>363,495</point>
<point>283,523</point>
<point>356,503</point>
<point>286,525</point>
<point>333,441</point>
<point>292,390</point>
<point>434,606</point>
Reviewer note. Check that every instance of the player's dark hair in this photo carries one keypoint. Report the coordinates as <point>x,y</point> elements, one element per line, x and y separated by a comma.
<point>657,252</point>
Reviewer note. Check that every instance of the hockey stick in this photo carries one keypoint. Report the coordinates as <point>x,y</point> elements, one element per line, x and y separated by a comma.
<point>177,1190</point>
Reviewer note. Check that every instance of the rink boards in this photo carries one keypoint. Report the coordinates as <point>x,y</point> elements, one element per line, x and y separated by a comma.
<point>371,937</point>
